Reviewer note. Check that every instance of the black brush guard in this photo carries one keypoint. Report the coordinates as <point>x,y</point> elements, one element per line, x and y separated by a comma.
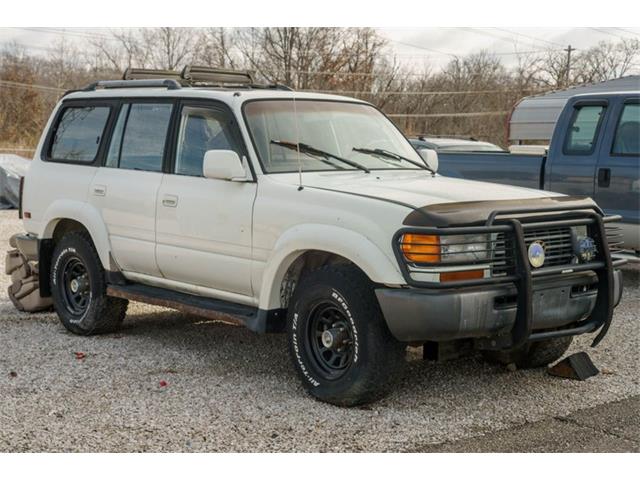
<point>523,275</point>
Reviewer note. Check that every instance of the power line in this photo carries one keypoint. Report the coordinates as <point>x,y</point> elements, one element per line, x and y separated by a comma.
<point>461,54</point>
<point>7,83</point>
<point>422,93</point>
<point>500,37</point>
<point>528,36</point>
<point>420,47</point>
<point>626,31</point>
<point>65,32</point>
<point>346,92</point>
<point>447,115</point>
<point>608,33</point>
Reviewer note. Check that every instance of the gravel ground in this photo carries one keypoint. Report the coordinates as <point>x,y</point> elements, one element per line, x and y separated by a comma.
<point>228,389</point>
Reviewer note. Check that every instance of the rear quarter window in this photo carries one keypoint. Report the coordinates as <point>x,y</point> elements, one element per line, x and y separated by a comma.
<point>78,133</point>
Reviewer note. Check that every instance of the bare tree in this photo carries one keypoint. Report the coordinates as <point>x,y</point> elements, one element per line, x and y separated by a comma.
<point>215,48</point>
<point>170,47</point>
<point>607,60</point>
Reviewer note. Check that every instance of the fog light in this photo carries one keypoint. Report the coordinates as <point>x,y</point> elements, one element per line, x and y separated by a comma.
<point>536,254</point>
<point>586,249</point>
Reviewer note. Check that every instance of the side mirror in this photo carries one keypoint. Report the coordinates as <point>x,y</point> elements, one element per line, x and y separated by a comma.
<point>430,157</point>
<point>223,165</point>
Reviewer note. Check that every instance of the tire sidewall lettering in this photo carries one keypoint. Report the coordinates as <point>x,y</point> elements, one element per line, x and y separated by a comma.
<point>296,350</point>
<point>56,265</point>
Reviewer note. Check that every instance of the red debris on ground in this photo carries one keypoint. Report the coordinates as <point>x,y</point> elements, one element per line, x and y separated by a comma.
<point>163,383</point>
<point>80,355</point>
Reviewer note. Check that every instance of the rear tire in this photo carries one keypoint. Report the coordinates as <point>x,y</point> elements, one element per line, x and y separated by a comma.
<point>532,354</point>
<point>78,288</point>
<point>339,342</point>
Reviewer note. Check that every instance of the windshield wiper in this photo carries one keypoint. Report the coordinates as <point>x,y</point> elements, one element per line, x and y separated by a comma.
<point>395,156</point>
<point>304,148</point>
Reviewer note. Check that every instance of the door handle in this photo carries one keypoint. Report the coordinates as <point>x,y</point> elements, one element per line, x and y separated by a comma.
<point>100,190</point>
<point>604,177</point>
<point>170,201</point>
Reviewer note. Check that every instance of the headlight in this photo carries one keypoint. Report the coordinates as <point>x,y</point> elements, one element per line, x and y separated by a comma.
<point>418,248</point>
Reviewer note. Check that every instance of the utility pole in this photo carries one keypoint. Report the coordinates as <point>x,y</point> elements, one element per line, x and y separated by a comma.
<point>569,49</point>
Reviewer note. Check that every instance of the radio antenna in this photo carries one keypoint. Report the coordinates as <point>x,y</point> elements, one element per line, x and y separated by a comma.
<point>295,115</point>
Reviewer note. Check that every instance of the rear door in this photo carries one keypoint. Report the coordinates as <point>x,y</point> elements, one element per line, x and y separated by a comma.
<point>618,174</point>
<point>125,189</point>
<point>574,155</point>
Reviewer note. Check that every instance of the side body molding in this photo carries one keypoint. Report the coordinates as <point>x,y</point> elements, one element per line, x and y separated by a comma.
<point>380,266</point>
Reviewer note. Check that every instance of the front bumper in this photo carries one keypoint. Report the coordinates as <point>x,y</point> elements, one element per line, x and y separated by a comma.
<point>420,314</point>
<point>537,311</point>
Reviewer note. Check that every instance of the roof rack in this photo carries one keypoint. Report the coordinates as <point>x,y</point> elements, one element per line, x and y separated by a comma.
<point>217,76</point>
<point>149,74</point>
<point>199,76</point>
<point>168,83</point>
<point>191,76</point>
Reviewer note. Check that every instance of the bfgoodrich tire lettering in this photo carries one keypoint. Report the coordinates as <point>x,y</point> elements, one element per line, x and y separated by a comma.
<point>78,288</point>
<point>339,342</point>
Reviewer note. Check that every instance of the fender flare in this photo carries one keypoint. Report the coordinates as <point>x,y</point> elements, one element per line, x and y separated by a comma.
<point>85,214</point>
<point>357,248</point>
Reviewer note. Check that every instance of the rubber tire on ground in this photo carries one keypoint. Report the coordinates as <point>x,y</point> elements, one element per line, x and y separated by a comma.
<point>533,354</point>
<point>103,314</point>
<point>378,356</point>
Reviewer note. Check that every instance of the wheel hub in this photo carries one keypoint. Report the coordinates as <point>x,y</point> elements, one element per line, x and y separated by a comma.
<point>79,284</point>
<point>334,338</point>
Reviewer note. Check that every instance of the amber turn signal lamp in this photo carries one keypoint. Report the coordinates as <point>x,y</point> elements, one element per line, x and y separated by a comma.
<point>420,248</point>
<point>465,275</point>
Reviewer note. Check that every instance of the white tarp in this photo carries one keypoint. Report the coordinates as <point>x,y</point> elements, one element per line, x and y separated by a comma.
<point>12,167</point>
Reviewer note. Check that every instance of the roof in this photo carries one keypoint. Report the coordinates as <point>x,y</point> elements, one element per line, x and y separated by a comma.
<point>224,94</point>
<point>535,117</point>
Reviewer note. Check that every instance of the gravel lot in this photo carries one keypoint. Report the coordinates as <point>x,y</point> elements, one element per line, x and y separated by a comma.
<point>228,389</point>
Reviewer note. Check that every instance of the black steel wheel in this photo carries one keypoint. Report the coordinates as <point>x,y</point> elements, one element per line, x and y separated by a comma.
<point>78,288</point>
<point>330,337</point>
<point>339,342</point>
<point>75,285</point>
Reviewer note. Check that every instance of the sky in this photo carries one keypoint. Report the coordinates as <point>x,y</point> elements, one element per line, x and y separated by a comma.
<point>417,47</point>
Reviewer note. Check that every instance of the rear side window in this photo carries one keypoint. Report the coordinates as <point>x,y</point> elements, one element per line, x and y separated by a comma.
<point>78,134</point>
<point>627,140</point>
<point>583,129</point>
<point>139,137</point>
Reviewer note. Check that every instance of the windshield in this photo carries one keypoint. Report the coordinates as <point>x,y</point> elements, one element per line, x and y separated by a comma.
<point>329,133</point>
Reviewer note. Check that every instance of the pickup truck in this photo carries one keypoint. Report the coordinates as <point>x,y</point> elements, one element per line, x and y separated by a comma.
<point>594,151</point>
<point>302,213</point>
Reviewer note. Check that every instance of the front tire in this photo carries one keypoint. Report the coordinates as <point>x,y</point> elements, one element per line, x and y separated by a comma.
<point>339,342</point>
<point>78,288</point>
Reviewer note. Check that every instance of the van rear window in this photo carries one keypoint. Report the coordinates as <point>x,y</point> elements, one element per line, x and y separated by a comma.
<point>78,134</point>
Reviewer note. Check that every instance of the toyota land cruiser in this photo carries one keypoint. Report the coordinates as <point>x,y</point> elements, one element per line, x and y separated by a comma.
<point>305,213</point>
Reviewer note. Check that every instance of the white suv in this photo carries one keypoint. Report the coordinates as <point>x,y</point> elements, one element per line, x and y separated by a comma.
<point>305,213</point>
